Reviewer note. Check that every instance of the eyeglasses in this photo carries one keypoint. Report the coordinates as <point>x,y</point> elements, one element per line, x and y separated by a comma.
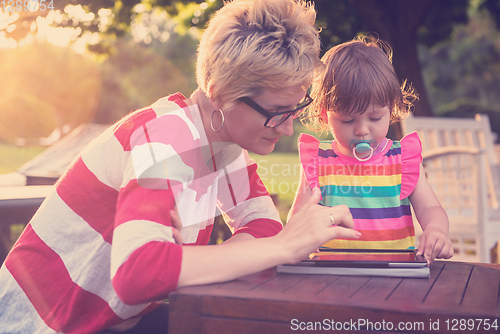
<point>276,119</point>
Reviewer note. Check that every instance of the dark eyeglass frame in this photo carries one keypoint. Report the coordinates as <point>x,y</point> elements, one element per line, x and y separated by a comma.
<point>278,117</point>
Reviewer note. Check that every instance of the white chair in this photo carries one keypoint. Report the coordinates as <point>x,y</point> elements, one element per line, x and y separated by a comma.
<point>458,155</point>
<point>456,176</point>
<point>436,132</point>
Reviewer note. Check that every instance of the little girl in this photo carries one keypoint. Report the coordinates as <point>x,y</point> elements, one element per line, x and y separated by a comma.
<point>356,98</point>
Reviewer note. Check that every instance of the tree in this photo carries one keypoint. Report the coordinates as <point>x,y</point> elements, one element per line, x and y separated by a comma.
<point>463,73</point>
<point>135,77</point>
<point>402,23</point>
<point>122,11</point>
<point>48,87</point>
<point>493,6</point>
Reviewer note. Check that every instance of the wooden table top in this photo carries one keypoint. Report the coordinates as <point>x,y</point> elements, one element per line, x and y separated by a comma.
<point>458,297</point>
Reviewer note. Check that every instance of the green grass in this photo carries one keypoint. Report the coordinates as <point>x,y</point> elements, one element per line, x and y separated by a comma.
<point>13,157</point>
<point>280,173</point>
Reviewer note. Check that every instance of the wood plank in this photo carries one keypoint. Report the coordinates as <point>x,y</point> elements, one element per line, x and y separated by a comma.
<point>284,312</point>
<point>312,285</point>
<point>279,283</point>
<point>377,290</point>
<point>482,291</point>
<point>267,303</point>
<point>344,287</point>
<point>412,291</point>
<point>249,308</point>
<point>215,325</point>
<point>447,291</point>
<point>184,314</point>
<point>231,326</point>
<point>250,282</point>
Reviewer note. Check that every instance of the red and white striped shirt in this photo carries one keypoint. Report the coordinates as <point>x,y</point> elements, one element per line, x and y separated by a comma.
<point>100,248</point>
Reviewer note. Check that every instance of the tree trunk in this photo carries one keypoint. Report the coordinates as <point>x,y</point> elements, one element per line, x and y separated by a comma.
<point>397,21</point>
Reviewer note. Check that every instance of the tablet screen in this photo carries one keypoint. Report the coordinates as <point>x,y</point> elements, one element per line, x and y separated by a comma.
<point>366,255</point>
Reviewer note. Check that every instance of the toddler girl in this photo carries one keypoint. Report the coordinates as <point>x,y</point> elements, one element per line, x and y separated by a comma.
<point>357,97</point>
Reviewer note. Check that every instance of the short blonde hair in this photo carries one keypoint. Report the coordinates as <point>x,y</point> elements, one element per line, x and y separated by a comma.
<point>358,73</point>
<point>251,45</point>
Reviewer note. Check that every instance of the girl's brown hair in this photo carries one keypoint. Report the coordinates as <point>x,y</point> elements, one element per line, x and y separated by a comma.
<point>358,73</point>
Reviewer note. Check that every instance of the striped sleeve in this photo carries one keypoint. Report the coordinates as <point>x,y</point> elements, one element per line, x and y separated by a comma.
<point>411,157</point>
<point>308,152</point>
<point>161,161</point>
<point>253,210</point>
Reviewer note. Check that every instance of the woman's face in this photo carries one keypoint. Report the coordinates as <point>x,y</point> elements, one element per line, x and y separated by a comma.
<point>245,126</point>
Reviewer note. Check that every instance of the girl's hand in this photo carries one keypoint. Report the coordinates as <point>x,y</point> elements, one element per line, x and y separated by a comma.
<point>311,227</point>
<point>434,243</point>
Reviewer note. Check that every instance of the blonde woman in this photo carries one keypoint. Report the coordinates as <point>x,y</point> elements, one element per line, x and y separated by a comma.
<point>129,221</point>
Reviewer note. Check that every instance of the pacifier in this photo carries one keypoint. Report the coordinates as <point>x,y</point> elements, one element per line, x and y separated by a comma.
<point>362,147</point>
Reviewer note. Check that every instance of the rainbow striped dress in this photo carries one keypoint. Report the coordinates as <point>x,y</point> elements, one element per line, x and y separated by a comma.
<point>376,191</point>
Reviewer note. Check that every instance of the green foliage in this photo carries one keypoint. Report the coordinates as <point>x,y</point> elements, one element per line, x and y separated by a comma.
<point>48,87</point>
<point>439,22</point>
<point>493,6</point>
<point>280,173</point>
<point>338,21</point>
<point>341,20</point>
<point>186,14</point>
<point>289,144</point>
<point>135,77</point>
<point>463,74</point>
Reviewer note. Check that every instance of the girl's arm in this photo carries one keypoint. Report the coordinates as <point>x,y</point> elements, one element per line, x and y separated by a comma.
<point>434,241</point>
<point>301,196</point>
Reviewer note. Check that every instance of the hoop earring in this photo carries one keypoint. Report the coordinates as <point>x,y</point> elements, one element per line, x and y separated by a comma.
<point>212,121</point>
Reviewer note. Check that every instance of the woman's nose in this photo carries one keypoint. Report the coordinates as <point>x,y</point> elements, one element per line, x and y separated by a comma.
<point>286,127</point>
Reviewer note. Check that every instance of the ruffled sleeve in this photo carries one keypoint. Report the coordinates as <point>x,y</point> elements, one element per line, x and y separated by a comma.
<point>308,154</point>
<point>411,157</point>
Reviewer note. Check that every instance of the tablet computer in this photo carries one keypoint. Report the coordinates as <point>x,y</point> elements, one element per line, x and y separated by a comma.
<point>362,262</point>
<point>366,258</point>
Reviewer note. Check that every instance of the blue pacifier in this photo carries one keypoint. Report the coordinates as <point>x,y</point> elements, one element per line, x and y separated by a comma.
<point>362,147</point>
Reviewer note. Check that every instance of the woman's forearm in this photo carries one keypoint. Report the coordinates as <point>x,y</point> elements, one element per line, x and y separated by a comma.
<point>229,260</point>
<point>307,230</point>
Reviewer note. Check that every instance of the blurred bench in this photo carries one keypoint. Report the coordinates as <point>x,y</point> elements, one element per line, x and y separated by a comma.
<point>439,132</point>
<point>461,166</point>
<point>17,206</point>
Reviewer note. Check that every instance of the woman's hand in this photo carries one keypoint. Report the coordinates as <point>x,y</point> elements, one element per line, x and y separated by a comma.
<point>312,226</point>
<point>435,243</point>
<point>176,226</point>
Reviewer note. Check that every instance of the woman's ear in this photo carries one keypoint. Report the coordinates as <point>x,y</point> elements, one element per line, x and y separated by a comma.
<point>216,102</point>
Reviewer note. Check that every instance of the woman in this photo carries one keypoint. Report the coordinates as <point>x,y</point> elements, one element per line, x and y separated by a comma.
<point>130,219</point>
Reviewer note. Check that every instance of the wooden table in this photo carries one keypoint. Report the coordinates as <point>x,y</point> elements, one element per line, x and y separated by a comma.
<point>457,298</point>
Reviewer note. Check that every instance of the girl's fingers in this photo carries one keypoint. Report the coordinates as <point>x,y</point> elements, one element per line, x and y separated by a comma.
<point>446,252</point>
<point>438,247</point>
<point>421,245</point>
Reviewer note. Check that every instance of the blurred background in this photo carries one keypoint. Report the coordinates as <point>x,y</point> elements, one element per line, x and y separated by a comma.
<point>68,62</point>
